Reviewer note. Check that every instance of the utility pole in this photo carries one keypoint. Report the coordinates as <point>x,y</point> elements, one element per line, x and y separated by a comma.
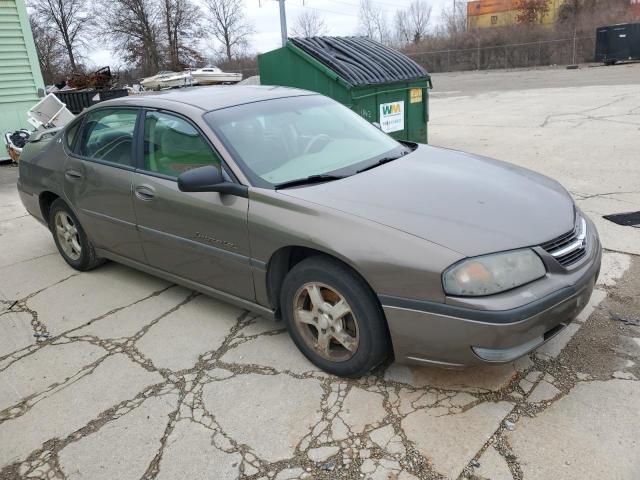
<point>283,23</point>
<point>455,15</point>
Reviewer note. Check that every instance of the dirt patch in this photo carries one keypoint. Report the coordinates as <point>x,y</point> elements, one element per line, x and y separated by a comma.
<point>605,344</point>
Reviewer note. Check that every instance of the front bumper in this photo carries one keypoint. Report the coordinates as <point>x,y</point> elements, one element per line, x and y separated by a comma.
<point>454,336</point>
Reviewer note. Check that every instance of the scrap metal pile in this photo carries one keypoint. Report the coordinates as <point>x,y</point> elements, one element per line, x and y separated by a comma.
<point>15,142</point>
<point>46,116</point>
<point>101,79</point>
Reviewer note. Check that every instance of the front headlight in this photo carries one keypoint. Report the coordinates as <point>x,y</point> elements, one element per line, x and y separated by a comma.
<point>493,273</point>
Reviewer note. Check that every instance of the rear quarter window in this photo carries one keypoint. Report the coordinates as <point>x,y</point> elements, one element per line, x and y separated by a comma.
<point>71,133</point>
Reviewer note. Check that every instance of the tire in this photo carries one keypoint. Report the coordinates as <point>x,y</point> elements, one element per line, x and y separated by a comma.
<point>83,258</point>
<point>364,326</point>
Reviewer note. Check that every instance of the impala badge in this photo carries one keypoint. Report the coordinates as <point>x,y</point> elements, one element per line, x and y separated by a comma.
<point>210,239</point>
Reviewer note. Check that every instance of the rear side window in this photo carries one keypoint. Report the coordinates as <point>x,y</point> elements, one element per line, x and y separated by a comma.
<point>107,135</point>
<point>172,145</point>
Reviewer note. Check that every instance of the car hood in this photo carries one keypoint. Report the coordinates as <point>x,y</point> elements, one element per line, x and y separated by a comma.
<point>467,203</point>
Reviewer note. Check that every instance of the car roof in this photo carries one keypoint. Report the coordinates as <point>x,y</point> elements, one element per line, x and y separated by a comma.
<point>208,98</point>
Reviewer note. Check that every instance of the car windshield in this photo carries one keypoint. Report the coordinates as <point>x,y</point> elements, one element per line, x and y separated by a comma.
<point>279,141</point>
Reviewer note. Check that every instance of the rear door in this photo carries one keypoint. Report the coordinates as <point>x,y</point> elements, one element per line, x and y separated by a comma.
<point>202,237</point>
<point>97,180</point>
<point>619,43</point>
<point>602,44</point>
<point>634,40</point>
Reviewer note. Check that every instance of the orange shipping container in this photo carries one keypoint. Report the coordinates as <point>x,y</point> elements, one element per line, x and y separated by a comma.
<point>483,7</point>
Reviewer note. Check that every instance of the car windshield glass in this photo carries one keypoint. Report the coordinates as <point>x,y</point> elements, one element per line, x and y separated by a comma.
<point>278,141</point>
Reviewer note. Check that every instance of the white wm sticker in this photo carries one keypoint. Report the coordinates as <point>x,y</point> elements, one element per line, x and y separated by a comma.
<point>392,116</point>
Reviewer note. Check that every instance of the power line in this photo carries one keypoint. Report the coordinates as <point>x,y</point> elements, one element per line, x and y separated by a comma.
<point>316,8</point>
<point>326,10</point>
<point>395,5</point>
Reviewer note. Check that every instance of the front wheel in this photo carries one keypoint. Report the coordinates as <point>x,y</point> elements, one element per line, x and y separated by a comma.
<point>334,318</point>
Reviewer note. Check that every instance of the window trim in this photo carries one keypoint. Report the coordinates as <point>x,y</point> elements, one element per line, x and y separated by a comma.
<point>79,121</point>
<point>74,152</point>
<point>140,146</point>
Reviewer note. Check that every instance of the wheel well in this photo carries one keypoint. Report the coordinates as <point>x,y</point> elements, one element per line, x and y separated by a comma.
<point>46,199</point>
<point>283,261</point>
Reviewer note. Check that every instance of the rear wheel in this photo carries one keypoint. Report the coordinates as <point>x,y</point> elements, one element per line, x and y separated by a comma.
<point>70,238</point>
<point>333,317</point>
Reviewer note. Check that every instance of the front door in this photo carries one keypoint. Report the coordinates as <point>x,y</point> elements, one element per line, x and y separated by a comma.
<point>202,237</point>
<point>97,180</point>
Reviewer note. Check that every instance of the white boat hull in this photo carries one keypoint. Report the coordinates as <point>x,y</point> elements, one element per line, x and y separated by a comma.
<point>150,83</point>
<point>167,80</point>
<point>174,82</point>
<point>216,78</point>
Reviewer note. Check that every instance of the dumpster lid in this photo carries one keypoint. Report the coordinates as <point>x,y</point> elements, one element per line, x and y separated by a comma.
<point>360,60</point>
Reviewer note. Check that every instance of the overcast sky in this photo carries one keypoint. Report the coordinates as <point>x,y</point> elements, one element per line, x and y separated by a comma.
<point>340,16</point>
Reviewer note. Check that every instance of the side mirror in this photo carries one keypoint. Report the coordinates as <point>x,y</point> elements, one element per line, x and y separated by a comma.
<point>201,179</point>
<point>209,179</point>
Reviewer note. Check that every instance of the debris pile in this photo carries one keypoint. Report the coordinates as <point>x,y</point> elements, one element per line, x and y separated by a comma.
<point>15,142</point>
<point>63,101</point>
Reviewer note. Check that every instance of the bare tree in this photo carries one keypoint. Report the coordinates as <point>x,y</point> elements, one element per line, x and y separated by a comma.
<point>453,20</point>
<point>309,23</point>
<point>412,23</point>
<point>532,11</point>
<point>133,28</point>
<point>183,27</point>
<point>229,26</point>
<point>403,36</point>
<point>50,54</point>
<point>71,21</point>
<point>373,22</point>
<point>585,15</point>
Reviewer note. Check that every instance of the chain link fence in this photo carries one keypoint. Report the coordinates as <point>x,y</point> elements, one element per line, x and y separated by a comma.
<point>564,51</point>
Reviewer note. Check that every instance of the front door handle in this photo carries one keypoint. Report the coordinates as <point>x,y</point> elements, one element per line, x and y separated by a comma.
<point>73,174</point>
<point>144,192</point>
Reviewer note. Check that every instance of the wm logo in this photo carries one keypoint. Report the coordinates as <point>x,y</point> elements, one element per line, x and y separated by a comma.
<point>390,109</point>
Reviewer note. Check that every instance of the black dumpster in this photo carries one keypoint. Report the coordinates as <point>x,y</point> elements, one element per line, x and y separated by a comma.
<point>78,100</point>
<point>618,42</point>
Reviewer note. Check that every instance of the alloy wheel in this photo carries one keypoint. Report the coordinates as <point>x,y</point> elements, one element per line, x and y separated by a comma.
<point>67,234</point>
<point>326,322</point>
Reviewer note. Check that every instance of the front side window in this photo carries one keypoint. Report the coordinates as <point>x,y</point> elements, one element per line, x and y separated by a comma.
<point>172,145</point>
<point>107,135</point>
<point>286,139</point>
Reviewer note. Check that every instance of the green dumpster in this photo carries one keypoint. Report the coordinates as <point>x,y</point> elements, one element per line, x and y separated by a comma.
<point>379,83</point>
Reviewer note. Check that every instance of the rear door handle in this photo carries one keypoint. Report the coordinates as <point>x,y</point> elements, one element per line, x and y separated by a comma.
<point>144,192</point>
<point>73,174</point>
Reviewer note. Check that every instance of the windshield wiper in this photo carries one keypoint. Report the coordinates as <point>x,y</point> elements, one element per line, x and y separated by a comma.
<point>382,161</point>
<point>309,180</point>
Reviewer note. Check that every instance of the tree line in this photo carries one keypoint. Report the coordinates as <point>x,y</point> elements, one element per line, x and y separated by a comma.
<point>148,35</point>
<point>153,35</point>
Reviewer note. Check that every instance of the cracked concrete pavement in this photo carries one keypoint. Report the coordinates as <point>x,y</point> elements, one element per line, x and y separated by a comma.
<point>116,374</point>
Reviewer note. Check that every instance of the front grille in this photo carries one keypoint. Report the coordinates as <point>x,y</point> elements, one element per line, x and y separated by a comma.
<point>567,249</point>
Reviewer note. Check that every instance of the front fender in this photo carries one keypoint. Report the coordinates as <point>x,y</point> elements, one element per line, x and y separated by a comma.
<point>391,261</point>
